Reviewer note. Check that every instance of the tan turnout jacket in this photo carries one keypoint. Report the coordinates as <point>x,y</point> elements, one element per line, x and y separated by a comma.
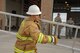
<point>29,29</point>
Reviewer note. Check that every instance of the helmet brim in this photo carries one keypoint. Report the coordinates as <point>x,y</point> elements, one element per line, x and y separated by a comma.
<point>33,13</point>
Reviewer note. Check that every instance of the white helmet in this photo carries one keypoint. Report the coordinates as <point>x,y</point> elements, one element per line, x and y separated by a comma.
<point>33,10</point>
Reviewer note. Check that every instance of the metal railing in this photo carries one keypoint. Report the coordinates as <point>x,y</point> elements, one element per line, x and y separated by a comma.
<point>50,22</point>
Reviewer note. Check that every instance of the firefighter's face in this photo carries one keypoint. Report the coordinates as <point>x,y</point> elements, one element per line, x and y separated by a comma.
<point>37,18</point>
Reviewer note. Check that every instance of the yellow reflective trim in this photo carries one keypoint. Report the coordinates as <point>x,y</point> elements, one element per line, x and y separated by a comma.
<point>22,23</point>
<point>20,37</point>
<point>49,39</point>
<point>18,50</point>
<point>30,51</point>
<point>40,38</point>
<point>21,51</point>
<point>23,38</point>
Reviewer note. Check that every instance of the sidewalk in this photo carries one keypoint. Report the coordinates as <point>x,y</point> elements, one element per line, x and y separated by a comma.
<point>7,43</point>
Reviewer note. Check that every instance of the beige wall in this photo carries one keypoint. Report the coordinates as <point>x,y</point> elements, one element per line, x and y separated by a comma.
<point>2,17</point>
<point>47,8</point>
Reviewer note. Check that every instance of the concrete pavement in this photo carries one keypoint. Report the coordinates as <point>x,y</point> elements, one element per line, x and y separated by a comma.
<point>7,43</point>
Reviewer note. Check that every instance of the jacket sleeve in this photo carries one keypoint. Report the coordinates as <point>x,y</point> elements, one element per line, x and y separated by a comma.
<point>38,36</point>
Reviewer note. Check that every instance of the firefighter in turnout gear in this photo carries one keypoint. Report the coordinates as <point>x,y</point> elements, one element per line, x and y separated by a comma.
<point>29,33</point>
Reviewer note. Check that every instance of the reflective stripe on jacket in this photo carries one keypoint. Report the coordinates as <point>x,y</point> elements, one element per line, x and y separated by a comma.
<point>21,51</point>
<point>23,38</point>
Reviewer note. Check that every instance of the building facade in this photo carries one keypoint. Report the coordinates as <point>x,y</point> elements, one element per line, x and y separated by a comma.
<point>20,7</point>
